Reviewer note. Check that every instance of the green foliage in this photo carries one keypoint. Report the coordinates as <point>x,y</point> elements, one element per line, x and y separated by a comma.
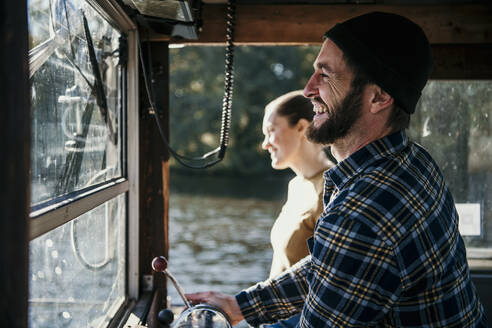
<point>196,91</point>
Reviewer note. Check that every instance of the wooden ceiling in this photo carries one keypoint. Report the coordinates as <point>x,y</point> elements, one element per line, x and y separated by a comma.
<point>305,24</point>
<point>295,24</point>
<point>460,34</point>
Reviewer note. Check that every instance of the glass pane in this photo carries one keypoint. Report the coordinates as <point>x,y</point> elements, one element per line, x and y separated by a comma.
<point>38,21</point>
<point>76,140</point>
<point>454,123</point>
<point>77,271</point>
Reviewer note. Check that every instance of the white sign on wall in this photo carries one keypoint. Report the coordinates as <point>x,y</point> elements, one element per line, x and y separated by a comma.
<point>470,222</point>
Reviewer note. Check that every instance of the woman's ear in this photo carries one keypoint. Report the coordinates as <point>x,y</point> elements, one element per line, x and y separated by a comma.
<point>302,125</point>
<point>380,100</point>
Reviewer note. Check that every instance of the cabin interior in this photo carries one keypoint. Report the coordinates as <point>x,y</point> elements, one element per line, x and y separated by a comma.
<point>128,187</point>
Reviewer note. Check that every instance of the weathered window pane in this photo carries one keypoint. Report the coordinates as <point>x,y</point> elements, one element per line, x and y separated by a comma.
<point>38,20</point>
<point>453,121</point>
<point>76,141</point>
<point>77,271</point>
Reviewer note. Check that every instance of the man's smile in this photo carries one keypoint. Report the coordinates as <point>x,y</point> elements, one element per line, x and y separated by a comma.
<point>319,106</point>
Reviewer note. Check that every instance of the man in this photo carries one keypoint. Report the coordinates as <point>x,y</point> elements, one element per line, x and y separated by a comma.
<point>386,250</point>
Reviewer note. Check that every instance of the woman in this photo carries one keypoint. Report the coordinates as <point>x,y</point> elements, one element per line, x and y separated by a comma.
<point>284,124</point>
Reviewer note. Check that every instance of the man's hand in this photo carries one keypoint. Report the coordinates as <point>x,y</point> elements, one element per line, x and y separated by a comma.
<point>225,302</point>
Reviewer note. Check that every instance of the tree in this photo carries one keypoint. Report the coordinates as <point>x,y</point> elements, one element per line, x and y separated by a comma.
<point>196,91</point>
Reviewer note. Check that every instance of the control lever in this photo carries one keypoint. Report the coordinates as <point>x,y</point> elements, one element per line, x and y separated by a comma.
<point>199,316</point>
<point>159,264</point>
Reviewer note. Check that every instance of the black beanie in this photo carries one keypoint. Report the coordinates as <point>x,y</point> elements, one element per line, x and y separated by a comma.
<point>392,50</point>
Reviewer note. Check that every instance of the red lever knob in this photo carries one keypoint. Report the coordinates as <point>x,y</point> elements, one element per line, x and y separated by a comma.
<point>159,264</point>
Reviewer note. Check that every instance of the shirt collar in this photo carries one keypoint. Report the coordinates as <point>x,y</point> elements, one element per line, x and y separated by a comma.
<point>353,165</point>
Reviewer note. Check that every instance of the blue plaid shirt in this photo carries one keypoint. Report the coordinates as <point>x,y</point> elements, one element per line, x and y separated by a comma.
<point>386,251</point>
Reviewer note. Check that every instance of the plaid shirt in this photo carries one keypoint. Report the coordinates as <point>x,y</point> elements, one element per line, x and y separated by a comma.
<point>386,250</point>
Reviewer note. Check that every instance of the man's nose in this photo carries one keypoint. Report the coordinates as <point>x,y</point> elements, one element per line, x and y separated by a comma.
<point>310,89</point>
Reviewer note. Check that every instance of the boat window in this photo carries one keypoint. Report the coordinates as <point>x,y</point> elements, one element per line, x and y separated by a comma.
<point>77,271</point>
<point>220,219</point>
<point>76,142</point>
<point>453,122</point>
<point>79,189</point>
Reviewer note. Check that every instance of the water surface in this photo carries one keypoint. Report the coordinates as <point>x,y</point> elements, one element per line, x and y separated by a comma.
<point>219,243</point>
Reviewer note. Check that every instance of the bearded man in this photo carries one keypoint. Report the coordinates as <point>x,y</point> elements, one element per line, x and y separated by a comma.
<point>386,250</point>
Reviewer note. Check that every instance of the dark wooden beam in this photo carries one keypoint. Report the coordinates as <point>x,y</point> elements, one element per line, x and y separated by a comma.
<point>158,303</point>
<point>154,165</point>
<point>15,140</point>
<point>461,35</point>
<point>471,61</point>
<point>305,24</point>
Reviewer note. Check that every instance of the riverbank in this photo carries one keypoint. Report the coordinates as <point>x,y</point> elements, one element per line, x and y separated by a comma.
<point>229,184</point>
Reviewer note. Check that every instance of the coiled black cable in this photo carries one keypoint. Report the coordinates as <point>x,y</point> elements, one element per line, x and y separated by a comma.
<point>228,78</point>
<point>226,102</point>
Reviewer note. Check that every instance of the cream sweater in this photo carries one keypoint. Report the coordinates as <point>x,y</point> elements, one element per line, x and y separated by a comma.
<point>295,223</point>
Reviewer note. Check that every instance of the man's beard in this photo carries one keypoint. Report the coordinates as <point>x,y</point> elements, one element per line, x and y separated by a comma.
<point>340,120</point>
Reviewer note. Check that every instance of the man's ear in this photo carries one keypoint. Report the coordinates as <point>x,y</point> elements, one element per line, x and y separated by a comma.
<point>380,100</point>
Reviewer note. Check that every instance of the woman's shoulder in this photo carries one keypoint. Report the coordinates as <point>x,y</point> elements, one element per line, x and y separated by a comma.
<point>307,189</point>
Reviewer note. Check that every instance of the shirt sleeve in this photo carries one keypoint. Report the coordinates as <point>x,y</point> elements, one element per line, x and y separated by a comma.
<point>355,278</point>
<point>350,280</point>
<point>277,298</point>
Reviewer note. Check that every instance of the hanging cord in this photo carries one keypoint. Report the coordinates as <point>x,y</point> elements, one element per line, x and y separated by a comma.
<point>226,102</point>
<point>108,256</point>
<point>228,78</point>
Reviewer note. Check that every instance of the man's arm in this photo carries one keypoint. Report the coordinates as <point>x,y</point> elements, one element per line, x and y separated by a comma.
<point>266,302</point>
<point>277,298</point>
<point>351,279</point>
<point>355,278</point>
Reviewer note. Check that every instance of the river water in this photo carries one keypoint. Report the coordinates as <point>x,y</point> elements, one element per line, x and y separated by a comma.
<point>222,242</point>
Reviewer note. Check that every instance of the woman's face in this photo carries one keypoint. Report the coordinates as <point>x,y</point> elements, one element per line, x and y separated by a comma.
<point>281,140</point>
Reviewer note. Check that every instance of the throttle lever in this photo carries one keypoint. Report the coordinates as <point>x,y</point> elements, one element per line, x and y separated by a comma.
<point>159,264</point>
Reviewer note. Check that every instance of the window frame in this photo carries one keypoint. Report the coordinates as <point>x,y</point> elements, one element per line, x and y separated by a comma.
<point>47,217</point>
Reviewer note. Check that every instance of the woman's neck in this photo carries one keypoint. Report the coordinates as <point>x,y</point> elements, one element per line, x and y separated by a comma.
<point>310,161</point>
